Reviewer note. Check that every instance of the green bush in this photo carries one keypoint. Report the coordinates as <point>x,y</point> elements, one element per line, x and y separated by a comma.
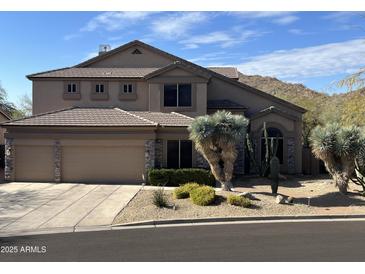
<point>159,198</point>
<point>177,177</point>
<point>238,201</point>
<point>203,195</point>
<point>183,192</point>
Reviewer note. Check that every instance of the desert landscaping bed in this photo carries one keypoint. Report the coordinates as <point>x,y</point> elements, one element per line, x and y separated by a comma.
<point>321,194</point>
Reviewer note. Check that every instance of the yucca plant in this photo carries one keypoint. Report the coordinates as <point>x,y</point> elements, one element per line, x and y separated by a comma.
<point>338,147</point>
<point>359,176</point>
<point>215,137</point>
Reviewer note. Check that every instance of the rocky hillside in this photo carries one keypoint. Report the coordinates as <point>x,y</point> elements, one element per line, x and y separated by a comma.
<point>295,93</point>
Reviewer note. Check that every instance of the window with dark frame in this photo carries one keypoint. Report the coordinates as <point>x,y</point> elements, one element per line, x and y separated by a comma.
<point>179,154</point>
<point>99,88</point>
<point>177,95</point>
<point>71,88</point>
<point>127,88</point>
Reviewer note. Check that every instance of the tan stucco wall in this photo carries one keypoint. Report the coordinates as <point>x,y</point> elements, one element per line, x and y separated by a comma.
<point>273,117</point>
<point>125,59</point>
<point>48,96</point>
<point>199,92</point>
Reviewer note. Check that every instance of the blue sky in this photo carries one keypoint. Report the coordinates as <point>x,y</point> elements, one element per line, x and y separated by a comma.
<point>313,48</point>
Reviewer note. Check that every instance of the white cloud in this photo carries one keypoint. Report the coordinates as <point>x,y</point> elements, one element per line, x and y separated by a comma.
<point>277,17</point>
<point>286,20</point>
<point>177,24</point>
<point>223,38</point>
<point>299,32</point>
<point>115,20</point>
<point>317,61</point>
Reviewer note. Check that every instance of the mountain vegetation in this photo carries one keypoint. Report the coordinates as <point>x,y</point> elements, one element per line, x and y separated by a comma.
<point>345,109</point>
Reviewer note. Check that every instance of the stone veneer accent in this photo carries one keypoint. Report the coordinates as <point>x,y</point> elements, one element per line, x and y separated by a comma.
<point>291,155</point>
<point>9,159</point>
<point>158,153</point>
<point>200,161</point>
<point>57,156</point>
<point>239,164</point>
<point>149,154</point>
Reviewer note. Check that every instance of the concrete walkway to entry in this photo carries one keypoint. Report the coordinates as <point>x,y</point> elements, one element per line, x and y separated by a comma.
<point>50,206</point>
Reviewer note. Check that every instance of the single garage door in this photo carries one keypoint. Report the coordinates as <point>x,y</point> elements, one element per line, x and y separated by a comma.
<point>98,164</point>
<point>34,163</point>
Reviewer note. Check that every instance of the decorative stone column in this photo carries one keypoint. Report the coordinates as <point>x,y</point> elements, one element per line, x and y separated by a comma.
<point>239,164</point>
<point>57,156</point>
<point>291,155</point>
<point>149,154</point>
<point>200,161</point>
<point>9,171</point>
<point>158,153</point>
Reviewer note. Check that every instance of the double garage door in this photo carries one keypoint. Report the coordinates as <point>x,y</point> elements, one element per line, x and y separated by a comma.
<point>82,163</point>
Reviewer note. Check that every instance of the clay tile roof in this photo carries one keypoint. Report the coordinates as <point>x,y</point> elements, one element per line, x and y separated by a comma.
<point>103,117</point>
<point>95,73</point>
<point>230,72</point>
<point>172,119</point>
<point>223,104</point>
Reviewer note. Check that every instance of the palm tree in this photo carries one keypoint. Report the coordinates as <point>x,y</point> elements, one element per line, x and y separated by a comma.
<point>215,137</point>
<point>338,147</point>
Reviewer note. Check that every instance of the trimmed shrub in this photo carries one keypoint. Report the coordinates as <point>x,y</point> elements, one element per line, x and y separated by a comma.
<point>159,198</point>
<point>238,201</point>
<point>177,177</point>
<point>183,192</point>
<point>203,195</point>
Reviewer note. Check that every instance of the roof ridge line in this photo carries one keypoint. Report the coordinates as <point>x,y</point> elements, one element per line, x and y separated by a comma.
<point>40,114</point>
<point>182,115</point>
<point>134,115</point>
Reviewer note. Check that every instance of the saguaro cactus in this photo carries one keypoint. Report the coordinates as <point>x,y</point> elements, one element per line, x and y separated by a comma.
<point>274,174</point>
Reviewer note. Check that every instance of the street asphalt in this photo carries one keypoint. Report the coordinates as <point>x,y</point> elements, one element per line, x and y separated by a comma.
<point>292,241</point>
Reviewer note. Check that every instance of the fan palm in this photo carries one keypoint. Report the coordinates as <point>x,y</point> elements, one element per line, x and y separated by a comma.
<point>215,137</point>
<point>338,147</point>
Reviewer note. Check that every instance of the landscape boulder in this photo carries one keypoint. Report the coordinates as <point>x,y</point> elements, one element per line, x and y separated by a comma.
<point>280,199</point>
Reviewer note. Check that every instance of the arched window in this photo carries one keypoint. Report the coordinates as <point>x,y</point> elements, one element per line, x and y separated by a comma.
<point>274,135</point>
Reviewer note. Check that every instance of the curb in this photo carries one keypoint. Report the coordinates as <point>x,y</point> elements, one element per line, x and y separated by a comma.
<point>187,222</point>
<point>150,223</point>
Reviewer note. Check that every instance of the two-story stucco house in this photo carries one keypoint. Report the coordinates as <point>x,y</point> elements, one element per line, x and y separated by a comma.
<point>114,116</point>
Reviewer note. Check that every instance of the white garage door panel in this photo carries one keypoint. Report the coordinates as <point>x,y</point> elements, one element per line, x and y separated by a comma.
<point>34,163</point>
<point>103,164</point>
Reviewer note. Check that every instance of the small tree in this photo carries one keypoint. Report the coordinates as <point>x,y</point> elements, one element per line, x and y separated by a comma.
<point>215,137</point>
<point>338,147</point>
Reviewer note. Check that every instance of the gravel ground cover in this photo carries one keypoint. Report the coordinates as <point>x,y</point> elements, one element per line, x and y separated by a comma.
<point>323,195</point>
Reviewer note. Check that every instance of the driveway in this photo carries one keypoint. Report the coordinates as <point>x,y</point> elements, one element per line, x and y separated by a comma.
<point>65,207</point>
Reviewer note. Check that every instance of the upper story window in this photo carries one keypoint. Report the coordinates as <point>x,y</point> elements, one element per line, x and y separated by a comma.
<point>99,91</point>
<point>71,91</point>
<point>128,91</point>
<point>127,88</point>
<point>72,87</point>
<point>99,88</point>
<point>177,95</point>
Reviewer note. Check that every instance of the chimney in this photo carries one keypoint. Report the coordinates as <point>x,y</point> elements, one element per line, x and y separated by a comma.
<point>104,49</point>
